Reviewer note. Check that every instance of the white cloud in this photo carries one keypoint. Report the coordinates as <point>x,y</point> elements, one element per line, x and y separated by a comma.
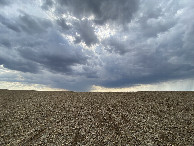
<point>25,86</point>
<point>176,85</point>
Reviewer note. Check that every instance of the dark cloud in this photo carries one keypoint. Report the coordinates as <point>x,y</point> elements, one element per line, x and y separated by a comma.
<point>5,43</point>
<point>86,33</point>
<point>82,31</point>
<point>157,48</point>
<point>4,2</point>
<point>33,25</point>
<point>37,46</point>
<point>55,62</point>
<point>47,4</point>
<point>26,23</point>
<point>116,46</point>
<point>113,11</point>
<point>60,63</point>
<point>145,69</point>
<point>19,64</point>
<point>61,22</point>
<point>152,25</point>
<point>9,24</point>
<point>145,42</point>
<point>103,10</point>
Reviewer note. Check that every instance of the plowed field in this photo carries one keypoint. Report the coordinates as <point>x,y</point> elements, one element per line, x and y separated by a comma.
<point>74,118</point>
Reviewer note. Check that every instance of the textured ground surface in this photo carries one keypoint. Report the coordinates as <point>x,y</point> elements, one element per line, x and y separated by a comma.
<point>68,118</point>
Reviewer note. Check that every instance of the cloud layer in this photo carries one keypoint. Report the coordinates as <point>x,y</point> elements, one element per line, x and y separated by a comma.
<point>75,44</point>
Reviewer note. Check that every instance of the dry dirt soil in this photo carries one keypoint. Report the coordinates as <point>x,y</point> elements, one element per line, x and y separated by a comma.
<point>72,118</point>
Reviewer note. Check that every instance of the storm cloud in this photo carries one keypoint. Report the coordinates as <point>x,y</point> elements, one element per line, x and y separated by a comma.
<point>75,44</point>
<point>86,33</point>
<point>4,2</point>
<point>103,10</point>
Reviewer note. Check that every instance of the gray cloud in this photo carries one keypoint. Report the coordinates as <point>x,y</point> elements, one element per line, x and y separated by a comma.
<point>113,11</point>
<point>37,46</point>
<point>26,23</point>
<point>4,2</point>
<point>61,22</point>
<point>116,46</point>
<point>18,64</point>
<point>47,4</point>
<point>9,24</point>
<point>82,31</point>
<point>33,25</point>
<point>86,33</point>
<point>5,43</point>
<point>155,44</point>
<point>103,10</point>
<point>144,68</point>
<point>157,48</point>
<point>59,61</point>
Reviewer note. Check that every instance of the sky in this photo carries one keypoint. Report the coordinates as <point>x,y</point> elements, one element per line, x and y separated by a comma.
<point>97,45</point>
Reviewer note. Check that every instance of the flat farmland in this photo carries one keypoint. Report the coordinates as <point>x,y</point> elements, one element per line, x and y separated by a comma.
<point>84,118</point>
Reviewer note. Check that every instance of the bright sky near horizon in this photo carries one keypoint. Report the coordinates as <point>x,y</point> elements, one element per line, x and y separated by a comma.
<point>97,45</point>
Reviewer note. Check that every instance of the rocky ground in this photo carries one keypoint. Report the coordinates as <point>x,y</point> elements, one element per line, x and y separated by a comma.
<point>71,118</point>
